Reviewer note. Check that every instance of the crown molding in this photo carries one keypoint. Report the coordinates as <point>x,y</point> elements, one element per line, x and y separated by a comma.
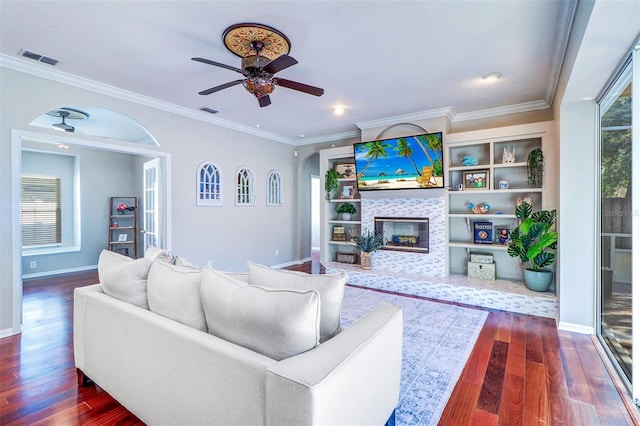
<point>330,138</point>
<point>504,110</point>
<point>567,14</point>
<point>447,112</point>
<point>49,73</point>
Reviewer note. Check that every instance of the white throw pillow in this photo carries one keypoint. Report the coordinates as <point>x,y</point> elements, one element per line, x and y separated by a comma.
<point>174,292</point>
<point>124,278</point>
<point>329,286</point>
<point>155,253</point>
<point>274,323</point>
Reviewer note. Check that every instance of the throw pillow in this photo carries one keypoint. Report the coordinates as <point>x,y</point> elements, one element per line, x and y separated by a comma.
<point>274,323</point>
<point>154,253</point>
<point>329,286</point>
<point>124,278</point>
<point>174,292</point>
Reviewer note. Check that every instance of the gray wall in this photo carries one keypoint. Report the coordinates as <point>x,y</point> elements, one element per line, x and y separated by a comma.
<point>102,174</point>
<point>227,235</point>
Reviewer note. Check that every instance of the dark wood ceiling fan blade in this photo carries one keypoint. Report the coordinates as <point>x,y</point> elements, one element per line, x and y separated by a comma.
<point>280,63</point>
<point>221,87</point>
<point>264,101</point>
<point>217,64</point>
<point>312,90</point>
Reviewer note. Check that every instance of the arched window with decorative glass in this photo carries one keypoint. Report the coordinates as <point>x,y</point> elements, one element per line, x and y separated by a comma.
<point>274,189</point>
<point>245,187</point>
<point>209,185</point>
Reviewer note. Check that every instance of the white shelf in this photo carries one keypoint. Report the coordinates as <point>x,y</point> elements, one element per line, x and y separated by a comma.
<point>483,216</point>
<point>468,192</point>
<point>341,243</point>
<point>344,200</point>
<point>478,246</point>
<point>344,222</point>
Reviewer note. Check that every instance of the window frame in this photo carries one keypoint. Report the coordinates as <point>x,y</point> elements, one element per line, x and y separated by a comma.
<point>201,183</point>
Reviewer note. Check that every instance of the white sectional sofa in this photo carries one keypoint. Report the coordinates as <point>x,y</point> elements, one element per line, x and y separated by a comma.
<point>167,371</point>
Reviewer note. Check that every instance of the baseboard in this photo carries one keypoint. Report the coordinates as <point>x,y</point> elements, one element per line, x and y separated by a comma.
<point>6,332</point>
<point>292,263</point>
<point>59,271</point>
<point>576,328</point>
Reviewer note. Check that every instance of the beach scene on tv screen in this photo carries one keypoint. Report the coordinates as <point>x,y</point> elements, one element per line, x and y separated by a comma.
<point>410,162</point>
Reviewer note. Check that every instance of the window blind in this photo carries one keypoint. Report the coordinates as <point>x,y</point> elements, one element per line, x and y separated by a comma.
<point>41,216</point>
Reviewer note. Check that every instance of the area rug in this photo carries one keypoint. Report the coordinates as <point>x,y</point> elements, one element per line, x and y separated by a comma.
<point>438,339</point>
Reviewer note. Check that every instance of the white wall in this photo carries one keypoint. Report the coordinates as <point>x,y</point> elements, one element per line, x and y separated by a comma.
<point>602,34</point>
<point>226,235</point>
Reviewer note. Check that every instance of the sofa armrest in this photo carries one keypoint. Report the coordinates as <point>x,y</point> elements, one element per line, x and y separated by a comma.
<point>351,379</point>
<point>79,313</point>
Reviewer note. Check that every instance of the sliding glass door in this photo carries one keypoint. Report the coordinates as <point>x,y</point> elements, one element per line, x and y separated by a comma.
<point>618,166</point>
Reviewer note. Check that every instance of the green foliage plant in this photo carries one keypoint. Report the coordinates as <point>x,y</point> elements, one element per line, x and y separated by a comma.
<point>370,242</point>
<point>346,208</point>
<point>331,183</point>
<point>533,241</point>
<point>535,168</point>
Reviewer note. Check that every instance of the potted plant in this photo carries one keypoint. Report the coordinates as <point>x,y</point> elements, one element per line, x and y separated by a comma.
<point>534,243</point>
<point>367,244</point>
<point>331,183</point>
<point>535,168</point>
<point>346,210</point>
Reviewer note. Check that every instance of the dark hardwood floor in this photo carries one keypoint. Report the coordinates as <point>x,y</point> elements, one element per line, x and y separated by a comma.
<point>522,371</point>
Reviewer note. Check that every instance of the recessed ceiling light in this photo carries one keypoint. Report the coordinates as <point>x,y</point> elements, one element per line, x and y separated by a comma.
<point>492,76</point>
<point>338,110</point>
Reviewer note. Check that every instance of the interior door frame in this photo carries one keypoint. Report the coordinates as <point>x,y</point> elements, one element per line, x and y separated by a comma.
<point>124,147</point>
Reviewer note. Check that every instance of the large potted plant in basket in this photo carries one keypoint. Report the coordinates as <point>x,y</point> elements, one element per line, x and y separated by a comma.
<point>366,244</point>
<point>534,243</point>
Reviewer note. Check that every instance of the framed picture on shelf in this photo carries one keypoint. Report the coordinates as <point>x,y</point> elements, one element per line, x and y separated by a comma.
<point>347,191</point>
<point>477,179</point>
<point>347,170</point>
<point>122,237</point>
<point>502,234</point>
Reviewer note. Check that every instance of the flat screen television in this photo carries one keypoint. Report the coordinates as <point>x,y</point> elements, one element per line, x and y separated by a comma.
<point>408,162</point>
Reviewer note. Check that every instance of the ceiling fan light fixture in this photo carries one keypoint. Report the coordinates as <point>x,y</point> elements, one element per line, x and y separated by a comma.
<point>259,86</point>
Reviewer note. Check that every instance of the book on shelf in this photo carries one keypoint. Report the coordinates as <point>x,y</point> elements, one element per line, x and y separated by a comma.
<point>482,232</point>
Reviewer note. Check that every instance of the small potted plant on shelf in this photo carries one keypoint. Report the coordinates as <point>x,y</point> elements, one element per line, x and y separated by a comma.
<point>345,211</point>
<point>331,183</point>
<point>367,244</point>
<point>534,243</point>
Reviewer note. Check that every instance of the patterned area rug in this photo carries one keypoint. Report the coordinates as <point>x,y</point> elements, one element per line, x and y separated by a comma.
<point>438,339</point>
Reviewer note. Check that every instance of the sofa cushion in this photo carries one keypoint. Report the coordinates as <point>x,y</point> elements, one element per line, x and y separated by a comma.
<point>329,286</point>
<point>274,323</point>
<point>123,277</point>
<point>174,292</point>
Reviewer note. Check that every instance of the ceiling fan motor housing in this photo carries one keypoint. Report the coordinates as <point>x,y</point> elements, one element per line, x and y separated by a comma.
<point>254,62</point>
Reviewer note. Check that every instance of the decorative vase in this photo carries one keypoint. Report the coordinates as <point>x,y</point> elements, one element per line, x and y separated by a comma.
<point>345,216</point>
<point>537,280</point>
<point>365,260</point>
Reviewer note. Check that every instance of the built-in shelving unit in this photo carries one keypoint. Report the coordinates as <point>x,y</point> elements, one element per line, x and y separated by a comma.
<point>329,218</point>
<point>488,147</point>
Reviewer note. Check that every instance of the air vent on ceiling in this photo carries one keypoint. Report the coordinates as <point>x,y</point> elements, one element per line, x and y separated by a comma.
<point>209,110</point>
<point>38,57</point>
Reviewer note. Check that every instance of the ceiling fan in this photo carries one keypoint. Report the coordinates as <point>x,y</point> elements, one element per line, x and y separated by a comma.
<point>264,52</point>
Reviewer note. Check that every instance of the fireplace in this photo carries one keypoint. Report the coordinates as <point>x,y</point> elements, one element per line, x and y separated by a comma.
<point>409,234</point>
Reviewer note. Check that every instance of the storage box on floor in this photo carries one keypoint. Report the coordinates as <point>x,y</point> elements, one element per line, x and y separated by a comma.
<point>482,266</point>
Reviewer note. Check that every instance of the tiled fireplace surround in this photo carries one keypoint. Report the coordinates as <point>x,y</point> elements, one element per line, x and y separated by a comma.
<point>426,274</point>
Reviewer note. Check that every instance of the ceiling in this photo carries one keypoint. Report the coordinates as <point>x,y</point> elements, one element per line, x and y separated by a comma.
<point>377,59</point>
